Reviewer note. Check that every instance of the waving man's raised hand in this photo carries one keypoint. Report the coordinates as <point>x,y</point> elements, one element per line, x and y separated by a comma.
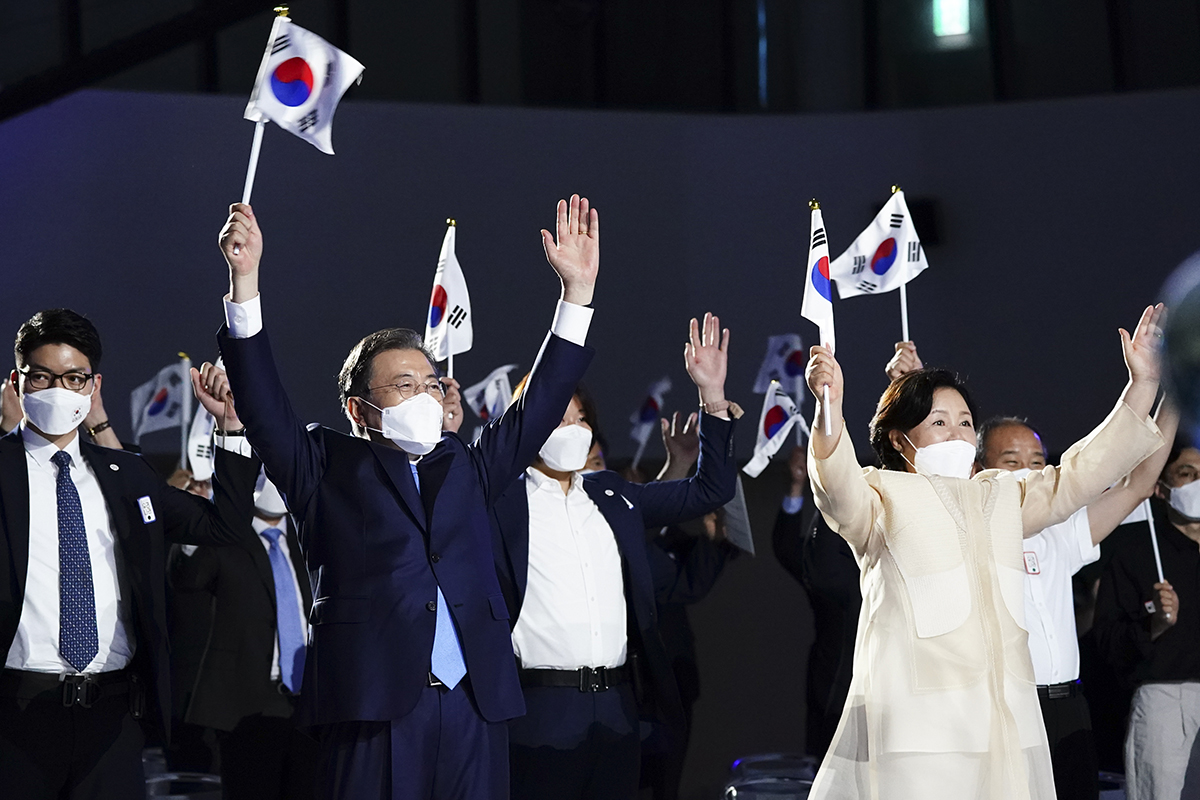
<point>576,254</point>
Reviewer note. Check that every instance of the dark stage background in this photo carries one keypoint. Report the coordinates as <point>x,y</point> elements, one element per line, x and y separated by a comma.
<point>1058,221</point>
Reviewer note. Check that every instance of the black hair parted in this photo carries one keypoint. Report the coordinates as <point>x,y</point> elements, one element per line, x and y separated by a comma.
<point>355,375</point>
<point>905,404</point>
<point>58,326</point>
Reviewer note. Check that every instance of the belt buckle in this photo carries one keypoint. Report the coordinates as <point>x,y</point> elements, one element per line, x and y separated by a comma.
<point>593,680</point>
<point>79,689</point>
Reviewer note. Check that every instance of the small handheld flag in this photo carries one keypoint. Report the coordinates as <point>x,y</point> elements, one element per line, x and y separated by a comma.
<point>645,419</point>
<point>779,414</point>
<point>200,444</point>
<point>784,362</point>
<point>448,328</point>
<point>159,403</point>
<point>818,293</point>
<point>490,397</point>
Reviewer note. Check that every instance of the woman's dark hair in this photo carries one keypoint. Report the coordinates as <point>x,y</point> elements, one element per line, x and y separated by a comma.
<point>58,326</point>
<point>905,404</point>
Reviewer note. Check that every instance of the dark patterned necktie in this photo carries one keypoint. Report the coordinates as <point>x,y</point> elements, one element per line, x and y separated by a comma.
<point>77,638</point>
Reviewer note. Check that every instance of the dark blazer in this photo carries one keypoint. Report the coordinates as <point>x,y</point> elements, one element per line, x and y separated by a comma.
<point>234,679</point>
<point>630,508</point>
<point>141,547</point>
<point>377,549</point>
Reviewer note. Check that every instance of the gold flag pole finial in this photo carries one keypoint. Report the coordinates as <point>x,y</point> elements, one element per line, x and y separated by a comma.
<point>182,354</point>
<point>450,221</point>
<point>281,11</point>
<point>813,204</point>
<point>895,188</point>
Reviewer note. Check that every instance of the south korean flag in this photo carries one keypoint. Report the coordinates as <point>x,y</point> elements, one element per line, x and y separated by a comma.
<point>448,329</point>
<point>885,256</point>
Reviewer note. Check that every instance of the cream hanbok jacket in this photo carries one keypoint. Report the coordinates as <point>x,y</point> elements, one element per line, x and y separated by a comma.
<point>943,702</point>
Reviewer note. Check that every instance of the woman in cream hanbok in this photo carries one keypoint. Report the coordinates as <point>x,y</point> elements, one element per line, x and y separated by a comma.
<point>943,702</point>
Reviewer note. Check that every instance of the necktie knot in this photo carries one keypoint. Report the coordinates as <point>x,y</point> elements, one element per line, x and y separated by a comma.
<point>273,535</point>
<point>61,459</point>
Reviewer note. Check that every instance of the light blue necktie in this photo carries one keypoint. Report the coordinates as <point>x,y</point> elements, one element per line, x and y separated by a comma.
<point>446,661</point>
<point>287,615</point>
<point>77,638</point>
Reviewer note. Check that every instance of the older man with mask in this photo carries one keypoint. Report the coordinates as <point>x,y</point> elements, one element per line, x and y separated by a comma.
<point>409,677</point>
<point>1051,558</point>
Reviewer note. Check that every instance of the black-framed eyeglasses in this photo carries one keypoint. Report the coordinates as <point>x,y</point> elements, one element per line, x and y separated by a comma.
<point>409,389</point>
<point>38,379</point>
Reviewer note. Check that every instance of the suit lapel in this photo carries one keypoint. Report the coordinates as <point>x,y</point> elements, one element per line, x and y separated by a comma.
<point>14,503</point>
<point>108,475</point>
<point>613,506</point>
<point>432,470</point>
<point>395,464</point>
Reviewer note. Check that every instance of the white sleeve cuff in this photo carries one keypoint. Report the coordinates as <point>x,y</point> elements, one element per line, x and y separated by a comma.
<point>238,445</point>
<point>1088,552</point>
<point>188,549</point>
<point>244,319</point>
<point>571,322</point>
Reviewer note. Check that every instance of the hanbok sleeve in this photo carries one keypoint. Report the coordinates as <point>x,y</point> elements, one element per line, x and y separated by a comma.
<point>848,502</point>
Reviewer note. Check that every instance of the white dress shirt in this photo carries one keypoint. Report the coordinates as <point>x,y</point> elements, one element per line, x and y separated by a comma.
<point>1051,558</point>
<point>574,610</point>
<point>35,647</point>
<point>259,527</point>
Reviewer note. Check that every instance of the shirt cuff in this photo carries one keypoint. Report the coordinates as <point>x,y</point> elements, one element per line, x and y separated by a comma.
<point>571,322</point>
<point>188,549</point>
<point>238,445</point>
<point>792,505</point>
<point>244,319</point>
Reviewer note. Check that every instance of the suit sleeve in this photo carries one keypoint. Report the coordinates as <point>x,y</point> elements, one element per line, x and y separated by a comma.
<point>688,579</point>
<point>189,519</point>
<point>195,573</point>
<point>787,541</point>
<point>294,458</point>
<point>713,485</point>
<point>510,444</point>
<point>1122,624</point>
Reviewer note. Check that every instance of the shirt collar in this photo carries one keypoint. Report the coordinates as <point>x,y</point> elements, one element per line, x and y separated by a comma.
<point>259,524</point>
<point>42,449</point>
<point>540,480</point>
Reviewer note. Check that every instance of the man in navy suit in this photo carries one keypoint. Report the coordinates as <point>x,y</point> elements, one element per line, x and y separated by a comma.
<point>409,676</point>
<point>581,582</point>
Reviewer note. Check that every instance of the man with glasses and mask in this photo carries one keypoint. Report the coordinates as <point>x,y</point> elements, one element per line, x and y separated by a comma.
<point>82,608</point>
<point>409,677</point>
<point>1149,630</point>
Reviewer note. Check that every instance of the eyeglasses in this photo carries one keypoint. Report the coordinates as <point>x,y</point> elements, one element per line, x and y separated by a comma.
<point>39,379</point>
<point>408,389</point>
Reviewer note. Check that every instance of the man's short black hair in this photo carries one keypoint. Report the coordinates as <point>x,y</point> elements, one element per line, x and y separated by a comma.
<point>993,424</point>
<point>905,404</point>
<point>58,326</point>
<point>355,376</point>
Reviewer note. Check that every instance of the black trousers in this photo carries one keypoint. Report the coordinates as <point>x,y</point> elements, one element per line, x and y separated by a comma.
<point>574,745</point>
<point>1072,748</point>
<point>267,758</point>
<point>52,752</point>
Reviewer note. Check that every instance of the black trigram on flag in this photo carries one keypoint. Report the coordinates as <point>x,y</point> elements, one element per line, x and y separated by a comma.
<point>866,286</point>
<point>282,43</point>
<point>897,220</point>
<point>819,237</point>
<point>457,316</point>
<point>914,251</point>
<point>860,263</point>
<point>308,121</point>
<point>203,450</point>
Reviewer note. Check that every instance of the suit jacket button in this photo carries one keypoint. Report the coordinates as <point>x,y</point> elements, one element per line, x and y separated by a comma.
<point>431,605</point>
<point>434,557</point>
<point>608,492</point>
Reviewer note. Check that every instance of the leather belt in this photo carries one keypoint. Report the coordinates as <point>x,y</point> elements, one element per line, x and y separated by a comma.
<point>1058,691</point>
<point>585,679</point>
<point>77,689</point>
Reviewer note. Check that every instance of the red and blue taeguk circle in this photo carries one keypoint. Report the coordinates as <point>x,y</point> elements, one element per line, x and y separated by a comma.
<point>794,364</point>
<point>292,82</point>
<point>885,256</point>
<point>820,277</point>
<point>649,412</point>
<point>158,403</point>
<point>774,420</point>
<point>437,306</point>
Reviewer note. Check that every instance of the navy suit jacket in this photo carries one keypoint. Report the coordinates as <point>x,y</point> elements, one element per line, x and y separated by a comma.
<point>124,478</point>
<point>649,574</point>
<point>377,549</point>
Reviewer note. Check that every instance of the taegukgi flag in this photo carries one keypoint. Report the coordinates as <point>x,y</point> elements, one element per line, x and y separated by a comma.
<point>300,81</point>
<point>779,414</point>
<point>645,419</point>
<point>784,362</point>
<point>448,329</point>
<point>885,256</point>
<point>490,397</point>
<point>200,444</point>
<point>818,293</point>
<point>158,403</point>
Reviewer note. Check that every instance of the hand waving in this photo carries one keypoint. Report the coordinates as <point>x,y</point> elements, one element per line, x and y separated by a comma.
<point>576,256</point>
<point>706,357</point>
<point>682,441</point>
<point>1143,350</point>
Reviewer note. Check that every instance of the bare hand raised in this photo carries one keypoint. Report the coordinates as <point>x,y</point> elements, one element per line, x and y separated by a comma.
<point>1143,350</point>
<point>576,255</point>
<point>212,390</point>
<point>823,370</point>
<point>242,245</point>
<point>706,357</point>
<point>682,442</point>
<point>904,361</point>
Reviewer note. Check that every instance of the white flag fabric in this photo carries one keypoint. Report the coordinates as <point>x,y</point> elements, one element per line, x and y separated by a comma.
<point>784,362</point>
<point>158,403</point>
<point>818,294</point>
<point>448,328</point>
<point>645,419</point>
<point>300,81</point>
<point>779,414</point>
<point>490,397</point>
<point>737,521</point>
<point>200,444</point>
<point>884,256</point>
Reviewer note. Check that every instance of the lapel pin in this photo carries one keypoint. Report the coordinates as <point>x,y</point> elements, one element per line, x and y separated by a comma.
<point>608,492</point>
<point>113,467</point>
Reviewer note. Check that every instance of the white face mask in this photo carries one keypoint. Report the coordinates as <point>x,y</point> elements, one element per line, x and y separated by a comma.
<point>567,448</point>
<point>952,458</point>
<point>1020,473</point>
<point>1186,500</point>
<point>415,425</point>
<point>56,411</point>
